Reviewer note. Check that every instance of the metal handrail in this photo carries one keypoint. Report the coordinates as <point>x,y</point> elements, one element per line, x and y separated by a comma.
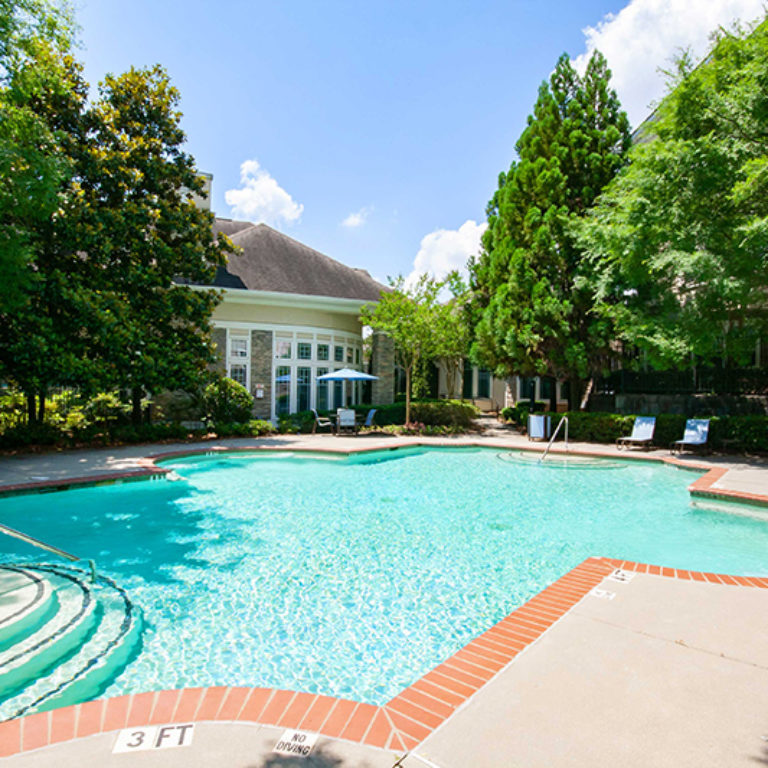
<point>8,531</point>
<point>554,435</point>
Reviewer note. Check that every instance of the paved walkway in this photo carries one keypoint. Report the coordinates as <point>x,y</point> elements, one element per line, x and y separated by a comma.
<point>738,474</point>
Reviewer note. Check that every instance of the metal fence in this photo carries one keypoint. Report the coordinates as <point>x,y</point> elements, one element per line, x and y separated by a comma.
<point>721,381</point>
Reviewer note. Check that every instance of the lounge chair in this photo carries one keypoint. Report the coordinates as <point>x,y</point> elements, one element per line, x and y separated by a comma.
<point>369,418</point>
<point>321,421</point>
<point>695,435</point>
<point>345,419</point>
<point>642,433</point>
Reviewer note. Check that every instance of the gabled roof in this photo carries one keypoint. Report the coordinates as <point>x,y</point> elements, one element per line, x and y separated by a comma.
<point>272,261</point>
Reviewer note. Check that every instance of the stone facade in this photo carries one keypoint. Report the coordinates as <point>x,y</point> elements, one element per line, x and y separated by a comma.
<point>261,372</point>
<point>383,366</point>
<point>219,337</point>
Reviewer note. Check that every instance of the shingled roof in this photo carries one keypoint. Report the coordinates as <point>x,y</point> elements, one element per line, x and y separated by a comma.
<point>272,261</point>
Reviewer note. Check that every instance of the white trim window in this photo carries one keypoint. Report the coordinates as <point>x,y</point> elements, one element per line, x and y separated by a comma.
<point>239,356</point>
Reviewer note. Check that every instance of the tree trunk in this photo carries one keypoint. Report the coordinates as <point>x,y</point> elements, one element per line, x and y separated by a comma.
<point>41,407</point>
<point>136,394</point>
<point>408,395</point>
<point>31,411</point>
<point>587,393</point>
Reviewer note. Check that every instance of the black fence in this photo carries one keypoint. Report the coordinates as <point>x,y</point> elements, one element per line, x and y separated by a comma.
<point>698,381</point>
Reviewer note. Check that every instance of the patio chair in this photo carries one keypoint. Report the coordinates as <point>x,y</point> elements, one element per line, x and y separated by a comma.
<point>321,421</point>
<point>369,418</point>
<point>642,433</point>
<point>345,420</point>
<point>695,436</point>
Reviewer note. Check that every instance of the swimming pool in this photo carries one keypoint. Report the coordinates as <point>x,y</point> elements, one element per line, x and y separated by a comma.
<point>353,576</point>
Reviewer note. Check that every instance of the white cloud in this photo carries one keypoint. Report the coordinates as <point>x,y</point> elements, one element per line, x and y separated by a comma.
<point>444,250</point>
<point>647,34</point>
<point>260,198</point>
<point>357,219</point>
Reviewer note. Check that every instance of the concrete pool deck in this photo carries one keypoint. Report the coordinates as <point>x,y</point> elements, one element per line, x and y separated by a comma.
<point>662,667</point>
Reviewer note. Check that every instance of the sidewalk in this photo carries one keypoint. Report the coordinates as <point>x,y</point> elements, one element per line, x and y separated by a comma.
<point>740,474</point>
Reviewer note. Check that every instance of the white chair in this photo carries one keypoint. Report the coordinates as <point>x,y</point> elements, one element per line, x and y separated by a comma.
<point>345,419</point>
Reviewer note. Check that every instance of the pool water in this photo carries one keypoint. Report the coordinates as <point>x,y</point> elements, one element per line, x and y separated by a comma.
<point>352,577</point>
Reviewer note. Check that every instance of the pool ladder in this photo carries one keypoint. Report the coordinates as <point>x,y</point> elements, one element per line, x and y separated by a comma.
<point>554,435</point>
<point>8,531</point>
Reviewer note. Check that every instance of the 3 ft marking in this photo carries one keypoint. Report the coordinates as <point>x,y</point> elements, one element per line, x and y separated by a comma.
<point>296,743</point>
<point>154,737</point>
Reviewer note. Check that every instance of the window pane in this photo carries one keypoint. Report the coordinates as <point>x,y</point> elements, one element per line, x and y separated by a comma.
<point>321,397</point>
<point>322,352</point>
<point>305,351</point>
<point>357,357</point>
<point>338,392</point>
<point>238,347</point>
<point>239,373</point>
<point>283,390</point>
<point>303,381</point>
<point>338,354</point>
<point>483,383</point>
<point>283,349</point>
<point>349,354</point>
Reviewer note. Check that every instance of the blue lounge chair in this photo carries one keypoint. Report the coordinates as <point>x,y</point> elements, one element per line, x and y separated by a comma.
<point>369,418</point>
<point>642,433</point>
<point>695,435</point>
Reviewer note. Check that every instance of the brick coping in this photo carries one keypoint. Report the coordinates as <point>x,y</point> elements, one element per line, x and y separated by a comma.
<point>399,725</point>
<point>702,487</point>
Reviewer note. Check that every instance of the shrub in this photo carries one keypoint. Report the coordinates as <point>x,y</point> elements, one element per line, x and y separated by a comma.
<point>748,433</point>
<point>252,428</point>
<point>444,413</point>
<point>225,400</point>
<point>456,413</point>
<point>518,413</point>
<point>105,407</point>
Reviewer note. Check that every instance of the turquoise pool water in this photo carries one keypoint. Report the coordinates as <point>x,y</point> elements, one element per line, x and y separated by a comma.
<point>353,577</point>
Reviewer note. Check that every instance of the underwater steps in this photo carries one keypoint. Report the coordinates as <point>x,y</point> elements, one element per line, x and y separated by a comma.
<point>63,637</point>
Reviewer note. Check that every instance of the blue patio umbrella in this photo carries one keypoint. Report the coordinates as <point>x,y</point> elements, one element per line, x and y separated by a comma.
<point>347,374</point>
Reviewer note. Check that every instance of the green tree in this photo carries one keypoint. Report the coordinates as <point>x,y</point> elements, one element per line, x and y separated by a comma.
<point>532,301</point>
<point>35,40</point>
<point>407,316</point>
<point>150,245</point>
<point>43,97</point>
<point>451,330</point>
<point>680,238</point>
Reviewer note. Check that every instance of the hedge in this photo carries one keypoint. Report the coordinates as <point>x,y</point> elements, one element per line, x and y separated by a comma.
<point>742,433</point>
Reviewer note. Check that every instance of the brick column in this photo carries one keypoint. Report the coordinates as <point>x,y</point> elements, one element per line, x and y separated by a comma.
<point>261,372</point>
<point>383,366</point>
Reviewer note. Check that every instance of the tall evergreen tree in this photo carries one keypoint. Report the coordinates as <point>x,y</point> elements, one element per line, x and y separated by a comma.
<point>532,302</point>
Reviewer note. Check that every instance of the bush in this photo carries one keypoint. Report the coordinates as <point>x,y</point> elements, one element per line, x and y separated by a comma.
<point>252,428</point>
<point>224,401</point>
<point>444,413</point>
<point>450,413</point>
<point>746,433</point>
<point>518,413</point>
<point>105,407</point>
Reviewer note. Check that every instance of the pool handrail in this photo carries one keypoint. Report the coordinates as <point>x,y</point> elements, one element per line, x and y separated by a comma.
<point>8,531</point>
<point>554,435</point>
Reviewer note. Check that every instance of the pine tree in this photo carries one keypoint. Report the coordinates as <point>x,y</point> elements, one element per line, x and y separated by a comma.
<point>532,300</point>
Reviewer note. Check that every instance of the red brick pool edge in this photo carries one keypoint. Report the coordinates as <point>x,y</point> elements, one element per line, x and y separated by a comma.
<point>400,725</point>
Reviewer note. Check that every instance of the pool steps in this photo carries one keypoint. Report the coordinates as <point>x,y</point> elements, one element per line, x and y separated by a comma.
<point>63,638</point>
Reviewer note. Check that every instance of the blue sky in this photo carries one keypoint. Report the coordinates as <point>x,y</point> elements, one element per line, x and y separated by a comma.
<point>375,132</point>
